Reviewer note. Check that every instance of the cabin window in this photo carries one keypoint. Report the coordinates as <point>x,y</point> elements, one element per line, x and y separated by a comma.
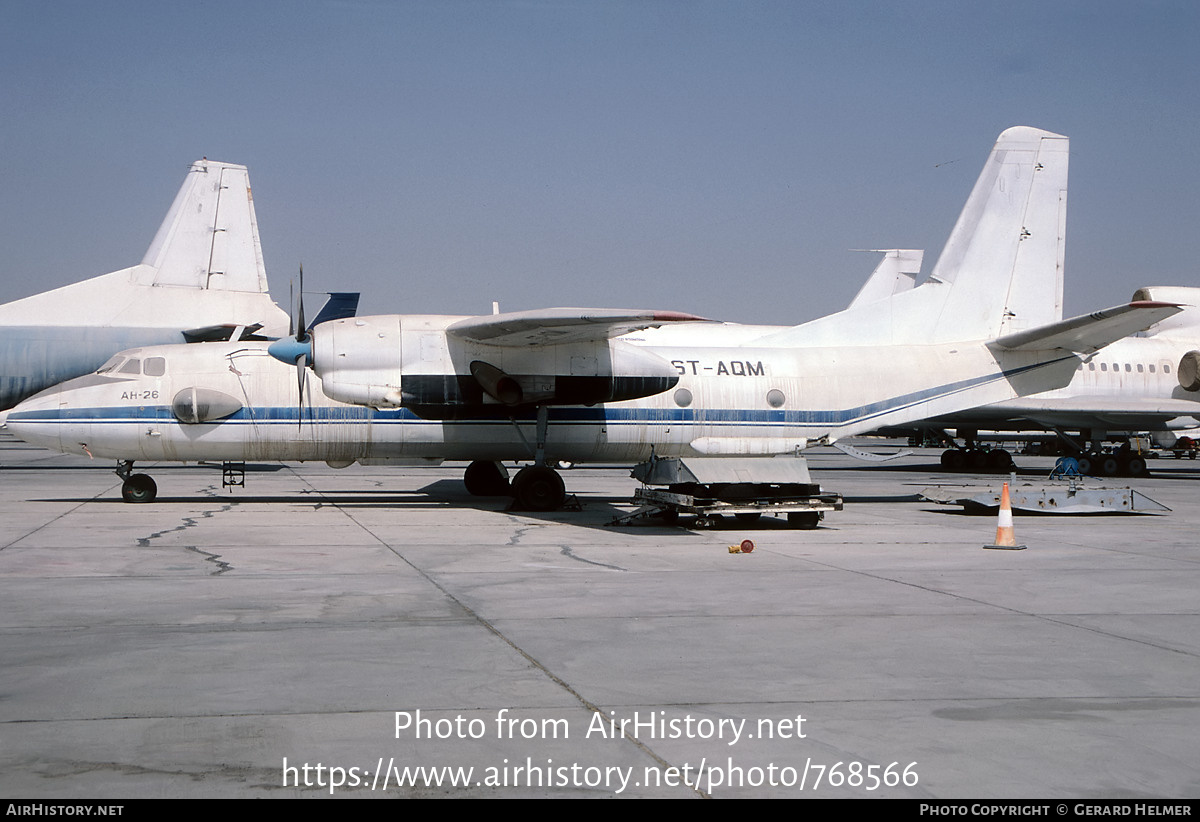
<point>1139,368</point>
<point>1166,368</point>
<point>1151,368</point>
<point>775,398</point>
<point>155,366</point>
<point>683,398</point>
<point>1103,366</point>
<point>1091,366</point>
<point>133,365</point>
<point>1127,368</point>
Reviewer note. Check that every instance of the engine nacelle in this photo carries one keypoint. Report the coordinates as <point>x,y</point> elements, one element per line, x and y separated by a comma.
<point>359,360</point>
<point>412,362</point>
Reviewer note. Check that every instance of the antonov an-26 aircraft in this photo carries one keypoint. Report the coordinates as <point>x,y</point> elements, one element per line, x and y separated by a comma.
<point>614,385</point>
<point>201,278</point>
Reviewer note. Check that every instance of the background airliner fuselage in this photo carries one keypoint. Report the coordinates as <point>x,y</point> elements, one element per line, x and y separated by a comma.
<point>203,271</point>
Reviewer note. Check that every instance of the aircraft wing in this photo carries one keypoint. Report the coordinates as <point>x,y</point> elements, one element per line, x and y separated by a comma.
<point>1091,332</point>
<point>561,325</point>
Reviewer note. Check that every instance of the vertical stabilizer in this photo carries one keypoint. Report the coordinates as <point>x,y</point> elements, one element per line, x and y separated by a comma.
<point>209,238</point>
<point>1001,271</point>
<point>1006,252</point>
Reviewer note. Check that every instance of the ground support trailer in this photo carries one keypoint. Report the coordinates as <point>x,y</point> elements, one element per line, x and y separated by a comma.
<point>710,488</point>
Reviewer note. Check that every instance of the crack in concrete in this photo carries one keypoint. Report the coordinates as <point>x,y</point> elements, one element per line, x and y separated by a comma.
<point>191,522</point>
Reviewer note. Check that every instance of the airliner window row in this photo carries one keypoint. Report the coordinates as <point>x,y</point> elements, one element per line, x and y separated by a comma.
<point>1166,367</point>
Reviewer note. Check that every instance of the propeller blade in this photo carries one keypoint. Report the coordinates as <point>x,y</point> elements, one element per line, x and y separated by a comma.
<point>301,328</point>
<point>300,363</point>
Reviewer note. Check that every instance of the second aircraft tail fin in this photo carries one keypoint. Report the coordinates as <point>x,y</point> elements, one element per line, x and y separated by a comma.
<point>209,238</point>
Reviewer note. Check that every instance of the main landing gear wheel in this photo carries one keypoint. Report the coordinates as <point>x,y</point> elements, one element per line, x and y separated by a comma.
<point>999,460</point>
<point>139,488</point>
<point>954,459</point>
<point>486,479</point>
<point>538,488</point>
<point>1136,467</point>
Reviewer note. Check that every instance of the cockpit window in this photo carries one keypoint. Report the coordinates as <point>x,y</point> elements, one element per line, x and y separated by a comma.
<point>111,365</point>
<point>133,365</point>
<point>155,366</point>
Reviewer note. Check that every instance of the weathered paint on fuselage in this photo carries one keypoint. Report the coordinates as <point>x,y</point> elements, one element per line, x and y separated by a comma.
<point>724,393</point>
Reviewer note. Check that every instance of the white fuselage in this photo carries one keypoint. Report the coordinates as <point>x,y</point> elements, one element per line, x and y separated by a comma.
<point>728,398</point>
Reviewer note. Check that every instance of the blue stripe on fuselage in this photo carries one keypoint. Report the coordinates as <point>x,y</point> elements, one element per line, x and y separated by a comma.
<point>562,415</point>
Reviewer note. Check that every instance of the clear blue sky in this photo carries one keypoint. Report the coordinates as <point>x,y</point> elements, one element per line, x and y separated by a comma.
<point>720,158</point>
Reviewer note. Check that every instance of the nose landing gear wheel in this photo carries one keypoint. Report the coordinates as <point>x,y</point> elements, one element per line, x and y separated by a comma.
<point>139,488</point>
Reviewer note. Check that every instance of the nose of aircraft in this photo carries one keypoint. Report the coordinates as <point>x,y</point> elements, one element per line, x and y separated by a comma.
<point>36,420</point>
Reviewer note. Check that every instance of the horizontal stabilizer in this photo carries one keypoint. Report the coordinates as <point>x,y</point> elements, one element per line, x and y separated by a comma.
<point>1187,321</point>
<point>223,332</point>
<point>561,325</point>
<point>1091,332</point>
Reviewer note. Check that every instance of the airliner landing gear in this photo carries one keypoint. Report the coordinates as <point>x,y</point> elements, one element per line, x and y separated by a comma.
<point>539,488</point>
<point>136,487</point>
<point>1099,464</point>
<point>487,479</point>
<point>976,459</point>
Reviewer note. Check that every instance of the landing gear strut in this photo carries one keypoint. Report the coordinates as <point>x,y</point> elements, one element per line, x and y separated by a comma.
<point>135,487</point>
<point>536,487</point>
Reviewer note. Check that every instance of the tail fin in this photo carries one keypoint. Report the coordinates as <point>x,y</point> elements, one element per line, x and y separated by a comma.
<point>897,272</point>
<point>209,238</point>
<point>1007,249</point>
<point>204,268</point>
<point>1001,271</point>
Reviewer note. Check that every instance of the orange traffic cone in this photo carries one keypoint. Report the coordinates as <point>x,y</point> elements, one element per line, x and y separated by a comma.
<point>1005,538</point>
